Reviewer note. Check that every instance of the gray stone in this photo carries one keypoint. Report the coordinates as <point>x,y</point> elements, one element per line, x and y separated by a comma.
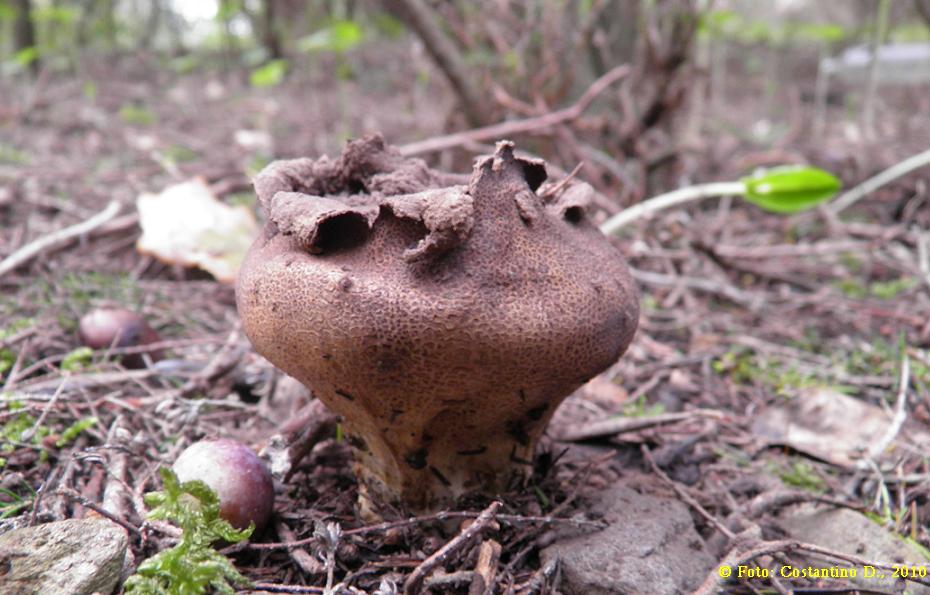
<point>65,557</point>
<point>650,547</point>
<point>854,534</point>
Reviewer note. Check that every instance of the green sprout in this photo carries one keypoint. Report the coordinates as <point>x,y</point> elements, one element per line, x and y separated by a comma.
<point>192,565</point>
<point>784,190</point>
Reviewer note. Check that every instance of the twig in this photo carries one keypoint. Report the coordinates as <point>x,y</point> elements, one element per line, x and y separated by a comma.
<point>57,239</point>
<point>415,580</point>
<point>28,434</point>
<point>668,200</point>
<point>511,519</point>
<point>685,496</point>
<point>17,337</point>
<point>279,588</point>
<point>900,413</point>
<point>620,425</point>
<point>854,195</point>
<point>298,437</point>
<point>225,360</point>
<point>547,575</point>
<point>116,493</point>
<point>734,294</point>
<point>302,558</point>
<point>512,127</point>
<point>488,555</point>
<point>453,579</point>
<point>557,187</point>
<point>75,497</point>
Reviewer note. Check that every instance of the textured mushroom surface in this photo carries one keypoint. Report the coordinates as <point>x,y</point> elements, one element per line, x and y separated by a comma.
<point>443,318</point>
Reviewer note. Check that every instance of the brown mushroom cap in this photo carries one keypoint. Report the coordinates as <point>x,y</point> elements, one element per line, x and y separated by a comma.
<point>445,324</point>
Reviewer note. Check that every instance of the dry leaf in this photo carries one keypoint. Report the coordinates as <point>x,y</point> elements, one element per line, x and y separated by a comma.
<point>825,424</point>
<point>186,224</point>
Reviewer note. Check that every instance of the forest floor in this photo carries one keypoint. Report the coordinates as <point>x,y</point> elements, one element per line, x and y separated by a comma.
<point>781,367</point>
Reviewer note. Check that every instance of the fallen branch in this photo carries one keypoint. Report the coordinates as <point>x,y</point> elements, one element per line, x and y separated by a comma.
<point>512,127</point>
<point>57,239</point>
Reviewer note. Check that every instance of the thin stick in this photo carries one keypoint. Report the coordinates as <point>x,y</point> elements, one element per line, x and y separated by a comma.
<point>611,427</point>
<point>510,519</point>
<point>900,413</point>
<point>57,239</point>
<point>557,187</point>
<point>512,127</point>
<point>278,588</point>
<point>486,568</point>
<point>854,195</point>
<point>685,496</point>
<point>670,199</point>
<point>412,585</point>
<point>86,503</point>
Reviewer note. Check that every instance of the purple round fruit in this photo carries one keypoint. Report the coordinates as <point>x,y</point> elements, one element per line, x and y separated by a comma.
<point>232,470</point>
<point>106,328</point>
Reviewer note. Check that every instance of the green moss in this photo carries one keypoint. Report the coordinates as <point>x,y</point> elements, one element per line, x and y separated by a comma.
<point>192,566</point>
<point>882,290</point>
<point>747,368</point>
<point>801,474</point>
<point>137,115</point>
<point>640,408</point>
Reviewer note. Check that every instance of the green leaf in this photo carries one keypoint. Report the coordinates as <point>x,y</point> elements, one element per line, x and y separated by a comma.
<point>790,189</point>
<point>340,36</point>
<point>269,75</point>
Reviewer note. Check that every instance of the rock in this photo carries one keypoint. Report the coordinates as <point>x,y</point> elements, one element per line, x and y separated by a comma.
<point>651,547</point>
<point>852,533</point>
<point>73,556</point>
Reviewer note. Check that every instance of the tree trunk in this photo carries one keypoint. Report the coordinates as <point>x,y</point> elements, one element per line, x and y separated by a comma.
<point>419,17</point>
<point>270,38</point>
<point>24,33</point>
<point>152,24</point>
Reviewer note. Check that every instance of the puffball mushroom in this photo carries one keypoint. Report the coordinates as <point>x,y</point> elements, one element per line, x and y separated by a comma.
<point>240,479</point>
<point>104,328</point>
<point>443,321</point>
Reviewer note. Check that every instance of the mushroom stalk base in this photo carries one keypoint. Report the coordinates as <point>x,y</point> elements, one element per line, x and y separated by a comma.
<point>441,473</point>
